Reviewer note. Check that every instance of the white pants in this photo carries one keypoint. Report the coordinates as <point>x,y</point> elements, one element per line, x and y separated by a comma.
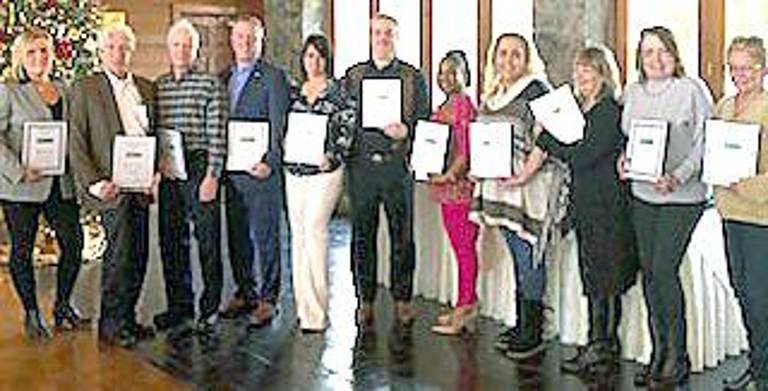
<point>311,201</point>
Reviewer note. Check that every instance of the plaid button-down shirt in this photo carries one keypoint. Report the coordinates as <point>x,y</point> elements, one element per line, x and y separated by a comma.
<point>196,106</point>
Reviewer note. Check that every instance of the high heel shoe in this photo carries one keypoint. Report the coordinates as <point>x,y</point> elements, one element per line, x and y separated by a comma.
<point>445,318</point>
<point>67,317</point>
<point>35,327</point>
<point>462,320</point>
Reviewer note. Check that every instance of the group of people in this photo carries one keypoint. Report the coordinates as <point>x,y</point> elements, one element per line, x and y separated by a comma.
<point>622,226</point>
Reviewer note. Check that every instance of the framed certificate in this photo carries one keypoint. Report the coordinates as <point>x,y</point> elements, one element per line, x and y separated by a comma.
<point>730,151</point>
<point>172,145</point>
<point>490,150</point>
<point>133,162</point>
<point>646,149</point>
<point>560,115</point>
<point>382,102</point>
<point>430,147</point>
<point>45,147</point>
<point>305,139</point>
<point>247,142</point>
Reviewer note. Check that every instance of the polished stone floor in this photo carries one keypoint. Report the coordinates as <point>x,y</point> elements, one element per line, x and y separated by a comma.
<point>280,357</point>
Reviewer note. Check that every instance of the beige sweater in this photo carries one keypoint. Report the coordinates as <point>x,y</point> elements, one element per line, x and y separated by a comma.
<point>748,203</point>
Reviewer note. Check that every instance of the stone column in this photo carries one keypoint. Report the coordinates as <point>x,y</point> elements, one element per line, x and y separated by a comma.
<point>562,27</point>
<point>284,33</point>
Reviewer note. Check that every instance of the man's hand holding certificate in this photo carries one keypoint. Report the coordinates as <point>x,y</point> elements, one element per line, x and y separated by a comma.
<point>305,140</point>
<point>133,162</point>
<point>45,146</point>
<point>490,146</point>
<point>247,142</point>
<point>560,115</point>
<point>382,102</point>
<point>730,152</point>
<point>646,149</point>
<point>430,145</point>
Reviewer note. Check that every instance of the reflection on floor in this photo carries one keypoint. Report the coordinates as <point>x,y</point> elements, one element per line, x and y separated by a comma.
<point>279,356</point>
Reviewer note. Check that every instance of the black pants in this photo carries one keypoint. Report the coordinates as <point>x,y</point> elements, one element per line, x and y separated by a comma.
<point>370,185</point>
<point>179,205</point>
<point>21,219</point>
<point>663,233</point>
<point>746,246</point>
<point>253,228</point>
<point>125,262</point>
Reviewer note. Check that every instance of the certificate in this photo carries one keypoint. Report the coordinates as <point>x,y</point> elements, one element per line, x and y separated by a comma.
<point>382,102</point>
<point>560,115</point>
<point>490,150</point>
<point>730,151</point>
<point>646,149</point>
<point>247,142</point>
<point>45,146</point>
<point>430,145</point>
<point>305,140</point>
<point>172,145</point>
<point>133,162</point>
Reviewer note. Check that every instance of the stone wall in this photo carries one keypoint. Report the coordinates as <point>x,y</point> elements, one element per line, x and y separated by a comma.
<point>284,33</point>
<point>562,27</point>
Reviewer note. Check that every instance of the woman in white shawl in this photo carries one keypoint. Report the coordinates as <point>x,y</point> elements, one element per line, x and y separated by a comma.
<point>526,206</point>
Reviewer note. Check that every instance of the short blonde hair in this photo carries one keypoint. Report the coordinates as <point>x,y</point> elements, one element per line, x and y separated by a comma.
<point>19,51</point>
<point>751,45</point>
<point>185,25</point>
<point>601,59</point>
<point>116,28</point>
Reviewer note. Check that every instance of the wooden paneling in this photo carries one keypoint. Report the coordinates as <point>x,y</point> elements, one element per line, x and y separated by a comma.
<point>426,40</point>
<point>485,9</point>
<point>620,36</point>
<point>712,44</point>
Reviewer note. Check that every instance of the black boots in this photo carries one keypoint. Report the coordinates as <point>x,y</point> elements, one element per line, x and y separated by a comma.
<point>601,356</point>
<point>524,341</point>
<point>35,327</point>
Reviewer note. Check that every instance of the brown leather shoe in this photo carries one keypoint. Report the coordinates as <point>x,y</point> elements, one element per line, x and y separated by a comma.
<point>235,308</point>
<point>262,314</point>
<point>404,312</point>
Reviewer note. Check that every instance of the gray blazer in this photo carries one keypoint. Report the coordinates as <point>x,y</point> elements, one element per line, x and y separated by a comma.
<point>20,103</point>
<point>94,121</point>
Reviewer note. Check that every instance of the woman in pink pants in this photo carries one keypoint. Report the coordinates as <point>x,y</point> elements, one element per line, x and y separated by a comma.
<point>454,190</point>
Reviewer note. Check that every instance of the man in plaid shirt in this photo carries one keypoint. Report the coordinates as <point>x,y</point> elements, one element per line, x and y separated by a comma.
<point>194,104</point>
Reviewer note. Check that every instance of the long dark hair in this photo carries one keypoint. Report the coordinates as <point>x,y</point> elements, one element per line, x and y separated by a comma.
<point>320,43</point>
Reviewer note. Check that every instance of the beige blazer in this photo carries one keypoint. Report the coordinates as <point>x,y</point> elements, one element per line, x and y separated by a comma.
<point>20,103</point>
<point>94,121</point>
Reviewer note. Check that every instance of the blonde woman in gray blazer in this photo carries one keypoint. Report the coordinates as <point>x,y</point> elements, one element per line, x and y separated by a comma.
<point>30,95</point>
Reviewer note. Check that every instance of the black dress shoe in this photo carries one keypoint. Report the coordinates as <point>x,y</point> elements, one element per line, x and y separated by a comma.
<point>673,373</point>
<point>740,382</point>
<point>124,339</point>
<point>643,377</point>
<point>67,317</point>
<point>206,325</point>
<point>142,332</point>
<point>35,327</point>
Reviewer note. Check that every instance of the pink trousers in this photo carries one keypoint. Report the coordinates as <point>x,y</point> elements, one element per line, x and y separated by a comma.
<point>463,235</point>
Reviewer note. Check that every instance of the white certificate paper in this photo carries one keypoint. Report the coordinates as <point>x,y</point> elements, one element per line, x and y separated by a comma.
<point>490,150</point>
<point>133,162</point>
<point>172,145</point>
<point>382,102</point>
<point>305,139</point>
<point>730,151</point>
<point>560,115</point>
<point>646,149</point>
<point>247,142</point>
<point>430,145</point>
<point>45,146</point>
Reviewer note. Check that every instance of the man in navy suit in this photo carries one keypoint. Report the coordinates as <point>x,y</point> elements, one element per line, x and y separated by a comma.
<point>258,91</point>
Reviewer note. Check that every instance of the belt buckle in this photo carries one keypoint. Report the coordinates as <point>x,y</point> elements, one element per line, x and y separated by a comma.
<point>377,158</point>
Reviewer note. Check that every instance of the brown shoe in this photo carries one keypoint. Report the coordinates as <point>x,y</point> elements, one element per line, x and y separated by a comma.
<point>235,308</point>
<point>404,312</point>
<point>262,314</point>
<point>364,317</point>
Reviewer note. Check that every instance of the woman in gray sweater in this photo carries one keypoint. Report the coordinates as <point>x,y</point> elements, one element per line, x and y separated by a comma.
<point>665,210</point>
